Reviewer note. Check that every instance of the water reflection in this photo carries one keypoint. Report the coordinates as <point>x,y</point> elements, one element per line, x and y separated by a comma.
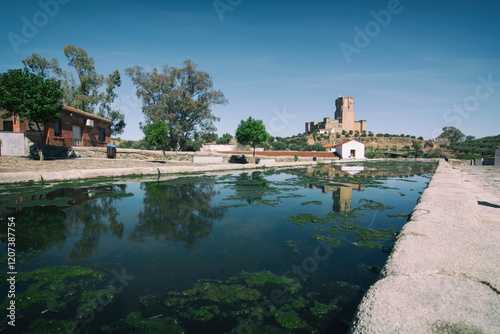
<point>97,217</point>
<point>341,180</point>
<point>41,228</point>
<point>341,192</point>
<point>47,220</point>
<point>177,212</point>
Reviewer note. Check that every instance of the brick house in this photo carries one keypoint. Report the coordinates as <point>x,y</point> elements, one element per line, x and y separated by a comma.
<point>74,128</point>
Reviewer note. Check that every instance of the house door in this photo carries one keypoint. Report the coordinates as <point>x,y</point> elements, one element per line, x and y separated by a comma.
<point>353,153</point>
<point>77,136</point>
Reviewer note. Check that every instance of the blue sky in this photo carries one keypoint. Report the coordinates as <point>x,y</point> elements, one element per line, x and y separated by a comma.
<point>412,67</point>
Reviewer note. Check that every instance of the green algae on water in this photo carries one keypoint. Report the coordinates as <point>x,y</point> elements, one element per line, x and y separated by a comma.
<point>44,326</point>
<point>57,290</point>
<point>288,319</point>
<point>246,296</point>
<point>135,323</point>
<point>294,245</point>
<point>311,202</point>
<point>305,218</point>
<point>327,239</point>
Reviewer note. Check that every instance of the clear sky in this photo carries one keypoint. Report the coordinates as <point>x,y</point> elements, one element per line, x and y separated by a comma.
<point>412,67</point>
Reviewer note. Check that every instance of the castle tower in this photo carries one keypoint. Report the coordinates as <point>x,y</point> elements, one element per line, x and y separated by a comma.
<point>344,113</point>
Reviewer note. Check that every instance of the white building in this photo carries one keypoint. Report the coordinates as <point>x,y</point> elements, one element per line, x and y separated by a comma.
<point>350,149</point>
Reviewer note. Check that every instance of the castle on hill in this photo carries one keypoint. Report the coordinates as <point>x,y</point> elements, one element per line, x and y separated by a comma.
<point>344,119</point>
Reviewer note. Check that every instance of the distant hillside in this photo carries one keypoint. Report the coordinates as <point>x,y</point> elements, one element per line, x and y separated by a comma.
<point>484,147</point>
<point>384,143</point>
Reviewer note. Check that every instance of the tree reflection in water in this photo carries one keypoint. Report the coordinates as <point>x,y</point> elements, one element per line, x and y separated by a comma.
<point>177,212</point>
<point>97,216</point>
<point>39,228</point>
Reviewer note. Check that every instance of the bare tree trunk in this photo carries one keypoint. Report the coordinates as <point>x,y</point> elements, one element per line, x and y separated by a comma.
<point>42,144</point>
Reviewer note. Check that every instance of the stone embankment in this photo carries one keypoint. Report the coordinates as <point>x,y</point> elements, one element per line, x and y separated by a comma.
<point>20,169</point>
<point>443,275</point>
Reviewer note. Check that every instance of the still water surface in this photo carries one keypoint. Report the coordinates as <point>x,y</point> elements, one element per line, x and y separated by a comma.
<point>272,251</point>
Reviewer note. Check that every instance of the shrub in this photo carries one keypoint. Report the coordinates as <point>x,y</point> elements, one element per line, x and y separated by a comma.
<point>238,159</point>
<point>434,153</point>
<point>295,157</point>
<point>193,145</point>
<point>224,140</point>
<point>279,146</point>
<point>125,144</point>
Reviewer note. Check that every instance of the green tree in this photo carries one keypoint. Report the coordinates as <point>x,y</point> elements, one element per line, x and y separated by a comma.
<point>252,132</point>
<point>225,139</point>
<point>32,98</point>
<point>181,97</point>
<point>156,134</point>
<point>88,91</point>
<point>469,138</point>
<point>453,134</point>
<point>209,137</point>
<point>417,146</point>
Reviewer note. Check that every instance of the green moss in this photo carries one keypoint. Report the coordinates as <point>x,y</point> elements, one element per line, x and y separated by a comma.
<point>234,205</point>
<point>203,313</point>
<point>289,319</point>
<point>312,202</point>
<point>230,293</point>
<point>92,299</point>
<point>54,286</point>
<point>294,245</point>
<point>305,218</point>
<point>214,302</point>
<point>320,310</point>
<point>135,323</point>
<point>368,234</point>
<point>43,326</point>
<point>368,204</point>
<point>399,215</point>
<point>327,239</point>
<point>299,303</point>
<point>58,289</point>
<point>265,277</point>
<point>348,226</point>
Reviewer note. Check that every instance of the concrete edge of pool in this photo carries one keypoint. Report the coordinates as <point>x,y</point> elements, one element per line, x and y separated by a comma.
<point>443,275</point>
<point>78,174</point>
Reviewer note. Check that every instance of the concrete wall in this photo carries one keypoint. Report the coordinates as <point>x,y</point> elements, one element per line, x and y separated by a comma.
<point>212,148</point>
<point>12,143</point>
<point>443,274</point>
<point>497,156</point>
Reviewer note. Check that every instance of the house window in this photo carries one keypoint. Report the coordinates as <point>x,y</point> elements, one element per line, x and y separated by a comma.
<point>57,128</point>
<point>102,134</point>
<point>8,126</point>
